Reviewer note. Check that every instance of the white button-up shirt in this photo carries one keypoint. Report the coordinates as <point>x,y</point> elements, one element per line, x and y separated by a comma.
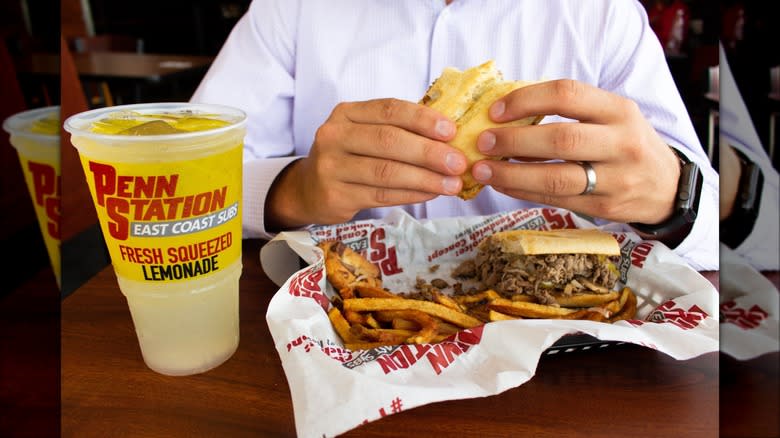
<point>760,248</point>
<point>287,63</point>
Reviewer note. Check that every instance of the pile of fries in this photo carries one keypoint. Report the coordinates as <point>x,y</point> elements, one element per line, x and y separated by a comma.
<point>367,316</point>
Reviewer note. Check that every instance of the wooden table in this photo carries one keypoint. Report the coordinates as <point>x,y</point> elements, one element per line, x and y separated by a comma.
<point>108,391</point>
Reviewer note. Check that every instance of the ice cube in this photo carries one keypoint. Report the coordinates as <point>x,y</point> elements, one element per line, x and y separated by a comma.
<point>199,123</point>
<point>155,127</point>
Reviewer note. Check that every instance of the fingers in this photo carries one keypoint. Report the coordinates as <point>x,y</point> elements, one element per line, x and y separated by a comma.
<point>565,141</point>
<point>394,144</point>
<point>601,206</point>
<point>395,175</point>
<point>548,180</point>
<point>403,114</point>
<point>563,97</point>
<point>374,197</point>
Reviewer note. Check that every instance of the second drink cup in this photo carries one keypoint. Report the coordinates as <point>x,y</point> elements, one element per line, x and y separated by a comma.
<point>166,181</point>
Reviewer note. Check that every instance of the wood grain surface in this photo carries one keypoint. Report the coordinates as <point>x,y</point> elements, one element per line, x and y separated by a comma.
<point>108,391</point>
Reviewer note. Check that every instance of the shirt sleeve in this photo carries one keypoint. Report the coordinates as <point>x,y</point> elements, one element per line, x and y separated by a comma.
<point>634,65</point>
<point>255,72</point>
<point>760,247</point>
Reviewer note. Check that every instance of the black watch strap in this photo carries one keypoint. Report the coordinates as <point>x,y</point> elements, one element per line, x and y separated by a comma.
<point>686,204</point>
<point>739,224</point>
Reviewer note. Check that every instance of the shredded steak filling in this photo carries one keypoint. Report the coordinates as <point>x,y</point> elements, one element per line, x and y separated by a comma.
<point>538,275</point>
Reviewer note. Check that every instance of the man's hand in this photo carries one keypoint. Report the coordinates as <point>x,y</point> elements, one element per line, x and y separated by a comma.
<point>730,173</point>
<point>369,154</point>
<point>637,173</point>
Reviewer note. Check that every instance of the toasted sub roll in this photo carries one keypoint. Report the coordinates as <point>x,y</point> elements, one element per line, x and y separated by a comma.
<point>464,97</point>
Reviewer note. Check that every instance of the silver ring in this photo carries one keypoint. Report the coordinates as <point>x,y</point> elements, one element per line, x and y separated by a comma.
<point>591,175</point>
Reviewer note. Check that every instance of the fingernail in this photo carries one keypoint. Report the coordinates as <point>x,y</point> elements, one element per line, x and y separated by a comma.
<point>454,162</point>
<point>445,128</point>
<point>497,110</point>
<point>451,184</point>
<point>486,141</point>
<point>482,172</point>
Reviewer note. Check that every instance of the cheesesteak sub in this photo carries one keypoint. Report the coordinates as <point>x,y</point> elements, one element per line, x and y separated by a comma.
<point>547,265</point>
<point>464,97</point>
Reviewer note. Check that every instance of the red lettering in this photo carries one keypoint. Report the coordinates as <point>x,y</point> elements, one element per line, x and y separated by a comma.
<point>155,211</point>
<point>218,199</point>
<point>53,214</point>
<point>105,181</point>
<point>390,266</point>
<point>557,220</point>
<point>375,242</point>
<point>44,180</point>
<point>387,364</point>
<point>118,225</point>
<point>639,254</point>
<point>165,187</point>
<point>443,355</point>
<point>471,336</point>
<point>123,184</point>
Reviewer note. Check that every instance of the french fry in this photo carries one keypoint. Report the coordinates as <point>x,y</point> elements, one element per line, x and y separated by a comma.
<point>488,295</point>
<point>584,300</point>
<point>387,336</point>
<point>357,345</point>
<point>439,338</point>
<point>523,297</point>
<point>433,309</point>
<point>365,315</point>
<point>428,325</point>
<point>498,316</point>
<point>526,309</point>
<point>404,324</point>
<point>371,322</point>
<point>628,310</point>
<point>480,311</point>
<point>446,300</point>
<point>365,291</point>
<point>446,328</point>
<point>341,325</point>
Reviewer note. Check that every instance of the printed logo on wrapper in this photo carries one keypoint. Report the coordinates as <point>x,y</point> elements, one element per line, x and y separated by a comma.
<point>396,406</point>
<point>742,317</point>
<point>394,358</point>
<point>685,319</point>
<point>365,239</point>
<point>306,283</point>
<point>437,356</point>
<point>169,226</point>
<point>329,348</point>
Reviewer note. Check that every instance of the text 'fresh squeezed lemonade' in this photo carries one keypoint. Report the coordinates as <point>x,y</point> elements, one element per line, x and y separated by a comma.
<point>36,136</point>
<point>165,179</point>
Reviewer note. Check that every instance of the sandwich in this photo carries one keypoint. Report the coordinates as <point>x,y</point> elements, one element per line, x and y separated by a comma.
<point>550,266</point>
<point>464,97</point>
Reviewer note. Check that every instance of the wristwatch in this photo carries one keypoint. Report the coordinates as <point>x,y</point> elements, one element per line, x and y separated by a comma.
<point>686,203</point>
<point>739,224</point>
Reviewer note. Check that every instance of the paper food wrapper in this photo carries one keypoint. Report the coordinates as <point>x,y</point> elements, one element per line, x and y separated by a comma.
<point>748,309</point>
<point>335,390</point>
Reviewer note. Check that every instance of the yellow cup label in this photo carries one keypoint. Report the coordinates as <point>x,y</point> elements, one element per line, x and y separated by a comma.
<point>169,221</point>
<point>43,183</point>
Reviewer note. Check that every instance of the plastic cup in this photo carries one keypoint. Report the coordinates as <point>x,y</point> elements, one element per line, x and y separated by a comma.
<point>35,134</point>
<point>165,179</point>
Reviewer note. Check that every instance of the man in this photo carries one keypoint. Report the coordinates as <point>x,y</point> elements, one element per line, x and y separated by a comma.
<point>334,133</point>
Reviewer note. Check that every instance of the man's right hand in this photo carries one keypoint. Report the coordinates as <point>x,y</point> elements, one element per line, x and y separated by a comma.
<point>377,153</point>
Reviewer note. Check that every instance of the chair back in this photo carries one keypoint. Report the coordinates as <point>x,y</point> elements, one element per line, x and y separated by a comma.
<point>106,43</point>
